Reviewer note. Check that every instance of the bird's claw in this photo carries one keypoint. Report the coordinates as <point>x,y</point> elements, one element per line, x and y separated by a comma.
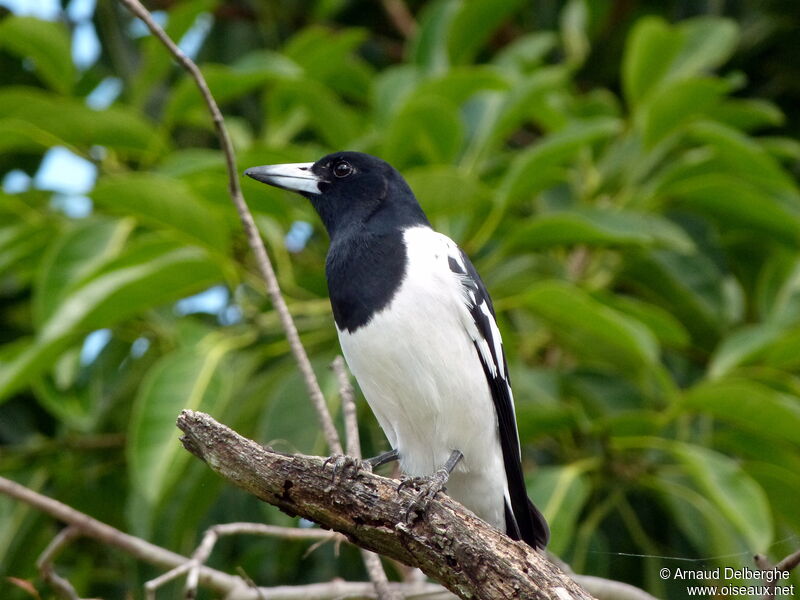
<point>427,487</point>
<point>343,463</point>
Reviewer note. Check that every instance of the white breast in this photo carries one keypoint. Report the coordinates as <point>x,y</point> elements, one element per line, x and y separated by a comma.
<point>420,373</point>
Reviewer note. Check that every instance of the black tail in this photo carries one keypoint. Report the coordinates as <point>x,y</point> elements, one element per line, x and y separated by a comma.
<point>527,524</point>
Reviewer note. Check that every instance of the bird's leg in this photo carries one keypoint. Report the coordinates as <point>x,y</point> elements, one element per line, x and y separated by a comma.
<point>430,485</point>
<point>382,459</point>
<point>342,463</point>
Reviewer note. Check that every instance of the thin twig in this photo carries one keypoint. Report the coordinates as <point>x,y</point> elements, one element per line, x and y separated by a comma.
<point>372,561</point>
<point>251,231</point>
<point>136,547</point>
<point>449,543</point>
<point>400,16</point>
<point>346,393</point>
<point>45,562</point>
<point>785,565</point>
<point>215,532</point>
<point>151,586</point>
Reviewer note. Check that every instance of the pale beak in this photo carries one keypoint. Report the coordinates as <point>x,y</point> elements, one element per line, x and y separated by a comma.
<point>296,177</point>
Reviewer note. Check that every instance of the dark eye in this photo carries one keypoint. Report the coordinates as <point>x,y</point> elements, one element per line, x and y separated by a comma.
<point>342,169</point>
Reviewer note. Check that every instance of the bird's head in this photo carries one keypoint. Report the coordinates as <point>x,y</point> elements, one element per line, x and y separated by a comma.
<point>348,190</point>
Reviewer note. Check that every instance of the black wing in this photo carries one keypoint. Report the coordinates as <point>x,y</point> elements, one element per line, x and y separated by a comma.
<point>523,519</point>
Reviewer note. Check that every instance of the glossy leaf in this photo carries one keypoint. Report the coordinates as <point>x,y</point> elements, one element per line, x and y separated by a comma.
<point>590,329</point>
<point>599,227</point>
<point>164,202</point>
<point>189,378</point>
<point>560,493</point>
<point>426,129</point>
<point>44,43</point>
<point>148,275</point>
<point>474,24</point>
<point>76,255</point>
<point>740,499</point>
<point>749,405</point>
<point>76,124</point>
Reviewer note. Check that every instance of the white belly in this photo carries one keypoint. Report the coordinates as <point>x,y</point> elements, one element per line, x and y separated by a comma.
<point>420,373</point>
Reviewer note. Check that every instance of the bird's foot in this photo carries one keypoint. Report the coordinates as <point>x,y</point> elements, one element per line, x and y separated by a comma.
<point>426,487</point>
<point>346,466</point>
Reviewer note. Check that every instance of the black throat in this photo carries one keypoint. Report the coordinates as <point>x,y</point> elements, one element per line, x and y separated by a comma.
<point>367,261</point>
<point>364,273</point>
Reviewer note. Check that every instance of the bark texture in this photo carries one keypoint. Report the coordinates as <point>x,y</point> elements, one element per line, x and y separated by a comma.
<point>448,543</point>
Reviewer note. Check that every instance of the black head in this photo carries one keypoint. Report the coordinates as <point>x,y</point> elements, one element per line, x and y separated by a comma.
<point>349,190</point>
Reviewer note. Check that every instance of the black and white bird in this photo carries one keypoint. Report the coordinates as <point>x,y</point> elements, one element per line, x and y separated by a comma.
<point>418,331</point>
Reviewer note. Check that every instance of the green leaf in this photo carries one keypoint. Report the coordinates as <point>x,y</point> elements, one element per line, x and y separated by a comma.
<point>657,54</point>
<point>599,227</point>
<point>736,203</point>
<point>46,44</point>
<point>474,24</point>
<point>426,130</point>
<point>336,123</point>
<point>428,47</point>
<point>737,496</point>
<point>590,329</point>
<point>749,405</point>
<point>650,49</point>
<point>75,255</point>
<point>688,286</point>
<point>560,493</point>
<point>149,274</point>
<point>742,346</point>
<point>706,43</point>
<point>679,104</point>
<point>18,135</point>
<point>527,51</point>
<point>536,168</point>
<point>226,83</point>
<point>433,187</point>
<point>777,294</point>
<point>156,61</point>
<point>189,378</point>
<point>697,517</point>
<point>574,25</point>
<point>460,83</point>
<point>75,124</point>
<point>331,58</point>
<point>668,330</point>
<point>737,153</point>
<point>164,202</point>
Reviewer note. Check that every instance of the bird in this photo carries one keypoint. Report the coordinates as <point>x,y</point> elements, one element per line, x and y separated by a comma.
<point>418,331</point>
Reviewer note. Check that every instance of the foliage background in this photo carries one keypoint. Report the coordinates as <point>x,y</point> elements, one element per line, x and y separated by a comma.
<point>623,175</point>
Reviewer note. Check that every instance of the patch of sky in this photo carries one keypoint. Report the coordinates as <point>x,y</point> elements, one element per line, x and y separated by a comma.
<point>93,345</point>
<point>71,177</point>
<point>230,315</point>
<point>65,172</point>
<point>138,29</point>
<point>49,10</point>
<point>81,10</point>
<point>139,346</point>
<point>85,45</point>
<point>298,235</point>
<point>75,206</point>
<point>211,301</point>
<point>193,39</point>
<point>105,93</point>
<point>16,182</point>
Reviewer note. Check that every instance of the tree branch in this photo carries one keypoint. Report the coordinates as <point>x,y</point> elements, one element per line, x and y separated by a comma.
<point>250,229</point>
<point>353,445</point>
<point>468,556</point>
<point>137,547</point>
